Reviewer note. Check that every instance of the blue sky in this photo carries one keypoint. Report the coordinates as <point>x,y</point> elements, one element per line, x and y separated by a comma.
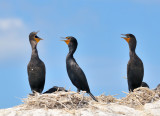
<point>101,53</point>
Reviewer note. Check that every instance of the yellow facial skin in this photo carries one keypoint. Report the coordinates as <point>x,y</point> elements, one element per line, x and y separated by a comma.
<point>67,41</point>
<point>37,39</point>
<point>126,38</point>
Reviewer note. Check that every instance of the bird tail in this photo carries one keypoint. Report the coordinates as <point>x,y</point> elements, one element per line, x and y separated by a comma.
<point>92,96</point>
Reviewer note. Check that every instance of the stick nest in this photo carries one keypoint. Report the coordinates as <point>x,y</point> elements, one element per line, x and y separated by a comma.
<point>139,98</point>
<point>72,100</point>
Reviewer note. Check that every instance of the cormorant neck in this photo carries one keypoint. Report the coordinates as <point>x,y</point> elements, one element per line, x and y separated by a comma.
<point>132,45</point>
<point>132,53</point>
<point>34,52</point>
<point>70,54</point>
<point>71,50</point>
<point>33,45</point>
<point>132,49</point>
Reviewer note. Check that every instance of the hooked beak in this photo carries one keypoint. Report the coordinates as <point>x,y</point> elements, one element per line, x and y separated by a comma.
<point>66,39</point>
<point>126,38</point>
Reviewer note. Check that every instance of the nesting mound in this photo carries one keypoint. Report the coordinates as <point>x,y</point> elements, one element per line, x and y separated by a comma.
<point>72,100</point>
<point>139,97</point>
<point>57,100</point>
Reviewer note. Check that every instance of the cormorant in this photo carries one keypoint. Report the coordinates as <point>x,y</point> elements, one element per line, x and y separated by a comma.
<point>55,88</point>
<point>144,84</point>
<point>75,73</point>
<point>135,70</point>
<point>36,67</point>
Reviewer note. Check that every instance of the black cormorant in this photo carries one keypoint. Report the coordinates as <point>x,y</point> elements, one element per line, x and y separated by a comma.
<point>75,73</point>
<point>55,88</point>
<point>144,84</point>
<point>135,70</point>
<point>36,67</point>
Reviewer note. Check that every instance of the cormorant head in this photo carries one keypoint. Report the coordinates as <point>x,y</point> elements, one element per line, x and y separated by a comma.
<point>130,38</point>
<point>33,38</point>
<point>71,42</point>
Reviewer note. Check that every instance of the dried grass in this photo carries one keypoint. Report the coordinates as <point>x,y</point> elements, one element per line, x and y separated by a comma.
<point>72,100</point>
<point>139,98</point>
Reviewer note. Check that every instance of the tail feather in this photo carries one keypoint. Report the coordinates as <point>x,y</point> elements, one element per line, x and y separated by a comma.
<point>92,96</point>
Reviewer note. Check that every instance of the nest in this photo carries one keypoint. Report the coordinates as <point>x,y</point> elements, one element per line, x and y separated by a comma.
<point>57,100</point>
<point>139,98</point>
<point>71,100</point>
<point>107,99</point>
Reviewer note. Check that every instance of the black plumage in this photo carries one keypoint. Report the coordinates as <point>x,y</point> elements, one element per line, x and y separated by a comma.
<point>135,70</point>
<point>55,88</point>
<point>75,73</point>
<point>36,67</point>
<point>144,84</point>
